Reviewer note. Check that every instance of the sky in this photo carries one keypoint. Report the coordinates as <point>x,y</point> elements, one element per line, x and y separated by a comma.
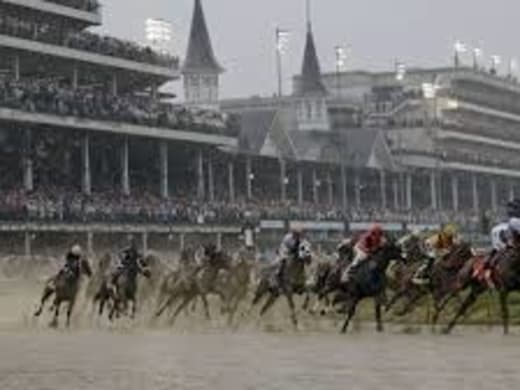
<point>416,32</point>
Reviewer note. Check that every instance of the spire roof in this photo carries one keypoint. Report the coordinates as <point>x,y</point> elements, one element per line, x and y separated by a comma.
<point>200,55</point>
<point>311,74</point>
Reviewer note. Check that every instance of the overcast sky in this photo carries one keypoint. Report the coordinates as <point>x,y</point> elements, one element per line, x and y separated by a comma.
<point>418,32</point>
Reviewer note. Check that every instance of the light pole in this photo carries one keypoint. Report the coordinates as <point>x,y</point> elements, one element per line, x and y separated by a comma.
<point>477,55</point>
<point>341,58</point>
<point>282,40</point>
<point>513,68</point>
<point>496,60</point>
<point>459,48</point>
<point>400,70</point>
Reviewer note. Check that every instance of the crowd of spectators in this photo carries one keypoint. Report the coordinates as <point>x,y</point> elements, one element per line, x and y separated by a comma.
<point>44,96</point>
<point>86,5</point>
<point>83,40</point>
<point>62,205</point>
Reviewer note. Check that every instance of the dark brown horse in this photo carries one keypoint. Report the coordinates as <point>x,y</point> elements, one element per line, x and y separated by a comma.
<point>369,281</point>
<point>64,286</point>
<point>287,281</point>
<point>506,278</point>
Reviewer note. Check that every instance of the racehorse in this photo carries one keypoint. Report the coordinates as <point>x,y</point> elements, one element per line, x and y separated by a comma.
<point>505,276</point>
<point>122,291</point>
<point>288,280</point>
<point>369,281</point>
<point>65,286</point>
<point>198,283</point>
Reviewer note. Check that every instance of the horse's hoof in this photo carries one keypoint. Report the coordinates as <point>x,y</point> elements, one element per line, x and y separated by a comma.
<point>53,324</point>
<point>446,331</point>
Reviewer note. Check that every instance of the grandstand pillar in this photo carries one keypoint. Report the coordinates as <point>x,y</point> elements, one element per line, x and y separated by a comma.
<point>494,200</point>
<point>455,192</point>
<point>219,241</point>
<point>163,151</point>
<point>315,187</point>
<point>330,187</point>
<point>200,176</point>
<point>382,185</point>
<point>511,191</point>
<point>182,241</point>
<point>299,180</point>
<point>28,166</point>
<point>249,179</point>
<point>433,190</point>
<point>474,184</point>
<point>395,184</point>
<point>409,191</point>
<point>125,174</point>
<point>357,189</point>
<point>75,76</point>
<point>16,67</point>
<point>90,242</point>
<point>87,182</point>
<point>231,181</point>
<point>113,85</point>
<point>211,181</point>
<point>283,180</point>
<point>27,244</point>
<point>344,200</point>
<point>144,238</point>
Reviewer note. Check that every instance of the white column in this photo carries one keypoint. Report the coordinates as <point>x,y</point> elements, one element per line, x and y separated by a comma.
<point>182,241</point>
<point>409,191</point>
<point>200,176</point>
<point>28,174</point>
<point>433,190</point>
<point>219,241</point>
<point>382,186</point>
<point>283,177</point>
<point>249,178</point>
<point>511,191</point>
<point>75,76</point>
<point>145,242</point>
<point>474,185</point>
<point>231,181</point>
<point>125,176</point>
<point>300,186</point>
<point>163,152</point>
<point>455,192</point>
<point>90,242</point>
<point>315,187</point>
<point>330,188</point>
<point>211,181</point>
<point>494,200</point>
<point>87,180</point>
<point>344,199</point>
<point>113,85</point>
<point>395,184</point>
<point>16,67</point>
<point>357,185</point>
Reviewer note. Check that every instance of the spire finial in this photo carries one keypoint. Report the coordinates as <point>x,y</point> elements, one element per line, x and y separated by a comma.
<point>308,14</point>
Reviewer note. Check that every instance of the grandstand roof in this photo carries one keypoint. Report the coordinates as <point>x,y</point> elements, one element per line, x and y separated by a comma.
<point>311,72</point>
<point>200,55</point>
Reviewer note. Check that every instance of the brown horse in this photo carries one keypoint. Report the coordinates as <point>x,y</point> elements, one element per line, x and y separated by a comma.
<point>64,286</point>
<point>199,283</point>
<point>291,280</point>
<point>505,275</point>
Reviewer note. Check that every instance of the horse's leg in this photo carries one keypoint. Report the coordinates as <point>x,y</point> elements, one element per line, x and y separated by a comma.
<point>47,293</point>
<point>410,305</point>
<point>54,322</point>
<point>181,307</point>
<point>505,310</point>
<point>379,320</point>
<point>466,304</point>
<point>267,305</point>
<point>205,303</point>
<point>72,302</point>
<point>398,295</point>
<point>292,307</point>
<point>439,307</point>
<point>170,301</point>
<point>350,313</point>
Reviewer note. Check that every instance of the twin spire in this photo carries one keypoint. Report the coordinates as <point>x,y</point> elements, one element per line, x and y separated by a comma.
<point>200,56</point>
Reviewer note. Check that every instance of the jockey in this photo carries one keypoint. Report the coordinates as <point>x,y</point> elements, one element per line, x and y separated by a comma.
<point>128,258</point>
<point>500,235</point>
<point>369,243</point>
<point>288,250</point>
<point>72,259</point>
<point>344,250</point>
<point>437,246</point>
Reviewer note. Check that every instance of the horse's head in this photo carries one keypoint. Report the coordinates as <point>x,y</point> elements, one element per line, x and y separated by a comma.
<point>305,252</point>
<point>411,247</point>
<point>390,251</point>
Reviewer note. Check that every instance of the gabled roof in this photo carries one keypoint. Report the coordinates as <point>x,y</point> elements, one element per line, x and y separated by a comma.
<point>311,73</point>
<point>200,55</point>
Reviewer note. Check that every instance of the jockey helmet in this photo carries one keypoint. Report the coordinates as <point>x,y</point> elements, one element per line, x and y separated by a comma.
<point>376,230</point>
<point>450,231</point>
<point>76,250</point>
<point>297,229</point>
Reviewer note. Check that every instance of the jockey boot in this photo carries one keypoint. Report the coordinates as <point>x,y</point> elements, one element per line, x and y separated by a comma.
<point>422,276</point>
<point>488,277</point>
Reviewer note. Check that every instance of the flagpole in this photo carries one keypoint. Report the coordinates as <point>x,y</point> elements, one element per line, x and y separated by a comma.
<point>279,63</point>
